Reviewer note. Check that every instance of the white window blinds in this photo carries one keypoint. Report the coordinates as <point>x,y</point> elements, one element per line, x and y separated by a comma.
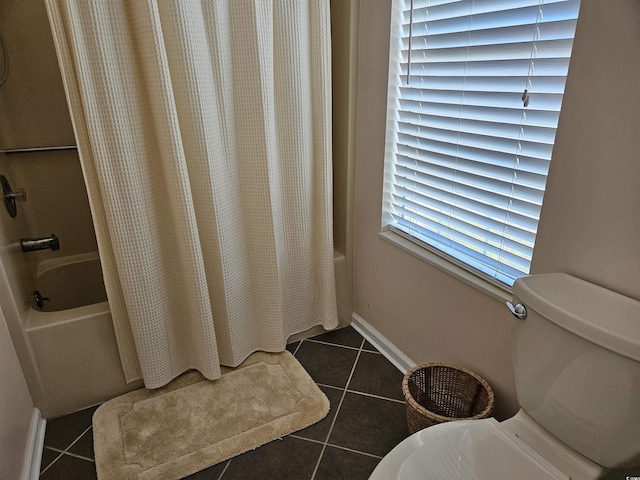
<point>475,90</point>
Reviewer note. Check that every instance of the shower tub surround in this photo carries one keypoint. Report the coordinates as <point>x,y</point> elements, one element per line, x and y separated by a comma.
<point>68,351</point>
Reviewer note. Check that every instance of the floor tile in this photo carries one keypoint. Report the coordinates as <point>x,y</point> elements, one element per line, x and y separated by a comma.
<point>338,464</point>
<point>364,423</point>
<point>327,364</point>
<point>367,346</point>
<point>84,446</point>
<point>62,431</point>
<point>289,458</point>
<point>70,468</point>
<point>211,473</point>
<point>344,336</point>
<point>320,430</point>
<point>48,456</point>
<point>369,424</point>
<point>376,375</point>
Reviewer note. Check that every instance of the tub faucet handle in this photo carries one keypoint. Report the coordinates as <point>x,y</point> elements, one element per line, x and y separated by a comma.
<point>10,196</point>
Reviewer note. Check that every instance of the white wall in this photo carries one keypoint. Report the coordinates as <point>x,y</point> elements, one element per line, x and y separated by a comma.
<point>16,410</point>
<point>341,74</point>
<point>33,108</point>
<point>428,314</point>
<point>590,220</point>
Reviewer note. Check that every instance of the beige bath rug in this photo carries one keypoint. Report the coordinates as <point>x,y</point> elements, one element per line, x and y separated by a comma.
<point>193,423</point>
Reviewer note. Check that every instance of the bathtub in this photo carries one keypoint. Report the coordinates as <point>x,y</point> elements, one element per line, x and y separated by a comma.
<point>70,282</point>
<point>71,339</point>
<point>69,355</point>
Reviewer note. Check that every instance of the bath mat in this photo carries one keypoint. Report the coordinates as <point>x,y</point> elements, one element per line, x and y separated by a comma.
<point>193,423</point>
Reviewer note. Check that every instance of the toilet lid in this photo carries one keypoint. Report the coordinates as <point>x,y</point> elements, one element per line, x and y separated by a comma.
<point>478,450</point>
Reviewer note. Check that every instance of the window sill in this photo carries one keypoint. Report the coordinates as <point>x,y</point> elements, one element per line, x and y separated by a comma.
<point>502,294</point>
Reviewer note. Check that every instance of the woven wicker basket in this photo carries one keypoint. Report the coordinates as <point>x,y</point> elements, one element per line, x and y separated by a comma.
<point>436,393</point>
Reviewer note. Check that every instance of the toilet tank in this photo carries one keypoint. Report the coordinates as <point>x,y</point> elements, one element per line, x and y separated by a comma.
<point>577,365</point>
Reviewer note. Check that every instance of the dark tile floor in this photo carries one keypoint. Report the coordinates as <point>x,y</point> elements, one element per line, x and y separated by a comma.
<point>366,420</point>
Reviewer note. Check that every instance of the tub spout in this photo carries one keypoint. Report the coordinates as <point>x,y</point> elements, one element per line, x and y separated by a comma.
<point>33,244</point>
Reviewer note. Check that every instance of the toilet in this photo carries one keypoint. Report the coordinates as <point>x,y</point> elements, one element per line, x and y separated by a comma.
<point>576,357</point>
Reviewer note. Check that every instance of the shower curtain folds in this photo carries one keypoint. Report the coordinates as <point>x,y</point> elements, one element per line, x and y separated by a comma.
<point>204,132</point>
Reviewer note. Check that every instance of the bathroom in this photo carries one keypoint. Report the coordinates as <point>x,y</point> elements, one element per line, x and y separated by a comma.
<point>589,225</point>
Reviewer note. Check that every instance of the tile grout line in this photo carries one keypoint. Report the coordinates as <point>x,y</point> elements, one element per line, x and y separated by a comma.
<point>344,393</point>
<point>65,452</point>
<point>52,462</point>
<point>335,446</point>
<point>357,392</point>
<point>297,347</point>
<point>329,386</point>
<point>365,394</point>
<point>225,468</point>
<point>71,454</point>
<point>77,439</point>
<point>339,345</point>
<point>354,451</point>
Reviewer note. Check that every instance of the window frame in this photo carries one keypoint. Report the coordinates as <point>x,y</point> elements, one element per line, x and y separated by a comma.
<point>428,253</point>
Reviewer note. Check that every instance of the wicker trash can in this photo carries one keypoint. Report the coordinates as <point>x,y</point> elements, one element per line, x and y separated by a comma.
<point>436,393</point>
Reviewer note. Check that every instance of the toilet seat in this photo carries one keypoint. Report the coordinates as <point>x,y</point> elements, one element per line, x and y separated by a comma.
<point>465,450</point>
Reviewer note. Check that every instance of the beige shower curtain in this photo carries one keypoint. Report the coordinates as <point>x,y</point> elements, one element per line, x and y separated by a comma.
<point>204,132</point>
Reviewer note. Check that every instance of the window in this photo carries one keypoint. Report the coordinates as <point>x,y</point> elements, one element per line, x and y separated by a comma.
<point>475,90</point>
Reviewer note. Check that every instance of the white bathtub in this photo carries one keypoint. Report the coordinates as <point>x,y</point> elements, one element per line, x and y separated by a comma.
<point>70,282</point>
<point>71,340</point>
<point>73,358</point>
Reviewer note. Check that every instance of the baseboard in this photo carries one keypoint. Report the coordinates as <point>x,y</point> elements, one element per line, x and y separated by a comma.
<point>384,346</point>
<point>36,442</point>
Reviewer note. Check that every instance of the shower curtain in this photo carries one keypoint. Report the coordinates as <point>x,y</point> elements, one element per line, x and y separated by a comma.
<point>204,133</point>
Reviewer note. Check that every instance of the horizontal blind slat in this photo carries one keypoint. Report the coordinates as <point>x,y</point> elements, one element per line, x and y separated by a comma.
<point>473,194</point>
<point>494,228</point>
<point>488,128</point>
<point>488,267</point>
<point>513,84</point>
<point>505,145</point>
<point>494,211</point>
<point>458,15</point>
<point>493,100</point>
<point>465,233</point>
<point>561,29</point>
<point>455,165</point>
<point>441,156</point>
<point>476,112</point>
<point>424,148</point>
<point>479,198</point>
<point>488,68</point>
<point>547,49</point>
<point>486,4</point>
<point>484,187</point>
<point>460,241</point>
